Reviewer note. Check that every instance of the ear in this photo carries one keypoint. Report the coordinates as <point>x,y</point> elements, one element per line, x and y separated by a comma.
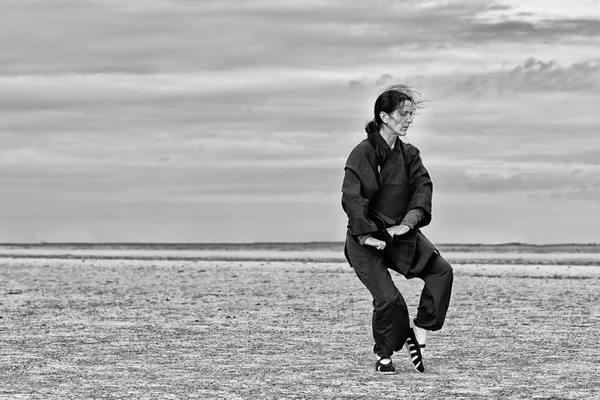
<point>384,117</point>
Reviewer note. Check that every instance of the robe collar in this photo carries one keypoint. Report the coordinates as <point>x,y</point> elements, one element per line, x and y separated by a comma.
<point>383,145</point>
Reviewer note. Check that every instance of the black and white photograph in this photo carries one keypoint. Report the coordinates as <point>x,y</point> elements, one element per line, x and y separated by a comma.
<point>260,199</point>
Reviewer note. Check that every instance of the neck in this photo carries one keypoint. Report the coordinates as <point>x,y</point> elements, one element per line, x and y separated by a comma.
<point>388,135</point>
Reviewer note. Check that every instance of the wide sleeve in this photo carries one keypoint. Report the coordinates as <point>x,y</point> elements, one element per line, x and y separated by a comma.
<point>359,185</point>
<point>412,218</point>
<point>421,186</point>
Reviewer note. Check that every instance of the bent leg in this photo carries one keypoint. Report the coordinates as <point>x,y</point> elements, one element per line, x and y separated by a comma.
<point>435,296</point>
<point>390,320</point>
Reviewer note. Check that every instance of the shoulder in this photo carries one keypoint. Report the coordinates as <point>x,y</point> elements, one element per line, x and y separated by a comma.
<point>363,150</point>
<point>412,150</point>
<point>362,158</point>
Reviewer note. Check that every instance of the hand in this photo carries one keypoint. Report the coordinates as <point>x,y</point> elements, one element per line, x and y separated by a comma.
<point>398,230</point>
<point>378,244</point>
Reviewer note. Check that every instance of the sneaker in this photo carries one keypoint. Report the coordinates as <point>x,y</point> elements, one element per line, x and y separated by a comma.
<point>414,352</point>
<point>386,369</point>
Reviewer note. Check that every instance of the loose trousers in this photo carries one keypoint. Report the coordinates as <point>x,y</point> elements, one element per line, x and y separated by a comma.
<point>391,323</point>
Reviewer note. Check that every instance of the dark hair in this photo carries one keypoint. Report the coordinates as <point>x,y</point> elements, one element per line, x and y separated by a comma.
<point>389,99</point>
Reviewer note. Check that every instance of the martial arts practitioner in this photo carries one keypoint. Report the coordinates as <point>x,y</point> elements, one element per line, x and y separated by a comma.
<point>387,194</point>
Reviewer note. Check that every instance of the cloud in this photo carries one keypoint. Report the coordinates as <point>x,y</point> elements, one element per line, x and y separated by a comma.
<point>549,10</point>
<point>581,194</point>
<point>534,178</point>
<point>187,120</point>
<point>148,106</point>
<point>158,37</point>
<point>89,37</point>
<point>541,30</point>
<point>537,76</point>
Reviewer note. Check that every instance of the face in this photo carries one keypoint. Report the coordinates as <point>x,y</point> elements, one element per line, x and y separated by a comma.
<point>400,119</point>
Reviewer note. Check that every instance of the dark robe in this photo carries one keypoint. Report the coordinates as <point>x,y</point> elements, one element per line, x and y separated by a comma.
<point>380,186</point>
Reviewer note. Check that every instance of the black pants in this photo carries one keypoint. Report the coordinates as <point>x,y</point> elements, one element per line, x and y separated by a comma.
<point>391,323</point>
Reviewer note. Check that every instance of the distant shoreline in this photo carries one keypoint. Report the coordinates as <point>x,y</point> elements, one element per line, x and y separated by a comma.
<point>303,246</point>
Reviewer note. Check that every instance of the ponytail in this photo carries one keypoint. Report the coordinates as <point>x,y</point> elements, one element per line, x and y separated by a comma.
<point>372,128</point>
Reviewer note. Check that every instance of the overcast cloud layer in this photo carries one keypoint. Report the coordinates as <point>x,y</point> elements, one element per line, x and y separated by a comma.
<point>227,121</point>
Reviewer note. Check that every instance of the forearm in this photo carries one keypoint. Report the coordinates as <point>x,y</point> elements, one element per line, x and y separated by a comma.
<point>363,238</point>
<point>412,218</point>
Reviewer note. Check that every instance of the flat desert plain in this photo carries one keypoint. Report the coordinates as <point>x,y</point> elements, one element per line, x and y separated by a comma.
<point>151,326</point>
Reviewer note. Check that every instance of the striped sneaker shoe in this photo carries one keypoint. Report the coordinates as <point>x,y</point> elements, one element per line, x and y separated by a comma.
<point>386,369</point>
<point>414,351</point>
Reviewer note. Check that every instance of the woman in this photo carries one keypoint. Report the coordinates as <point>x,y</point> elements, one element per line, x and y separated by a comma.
<point>386,194</point>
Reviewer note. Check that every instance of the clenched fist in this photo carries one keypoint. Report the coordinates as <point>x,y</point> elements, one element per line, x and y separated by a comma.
<point>378,244</point>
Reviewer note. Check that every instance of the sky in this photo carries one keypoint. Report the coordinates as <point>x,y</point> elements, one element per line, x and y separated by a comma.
<point>231,121</point>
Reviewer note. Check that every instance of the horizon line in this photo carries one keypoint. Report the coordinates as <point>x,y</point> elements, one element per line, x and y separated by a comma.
<point>336,242</point>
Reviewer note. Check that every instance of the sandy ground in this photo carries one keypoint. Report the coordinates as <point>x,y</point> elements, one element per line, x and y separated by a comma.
<point>157,329</point>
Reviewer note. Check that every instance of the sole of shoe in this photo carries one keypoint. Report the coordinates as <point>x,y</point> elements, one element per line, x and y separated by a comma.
<point>386,372</point>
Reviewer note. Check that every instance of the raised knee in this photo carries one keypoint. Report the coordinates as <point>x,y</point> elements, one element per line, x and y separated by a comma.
<point>450,272</point>
<point>446,267</point>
